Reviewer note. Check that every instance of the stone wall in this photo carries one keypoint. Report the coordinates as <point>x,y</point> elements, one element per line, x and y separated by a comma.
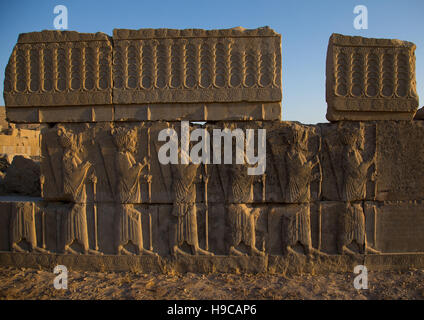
<point>3,122</point>
<point>16,140</point>
<point>331,196</point>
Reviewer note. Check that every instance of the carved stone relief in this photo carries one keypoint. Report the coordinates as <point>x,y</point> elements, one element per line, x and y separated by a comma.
<point>196,65</point>
<point>348,160</point>
<point>61,68</point>
<point>370,79</point>
<point>341,191</point>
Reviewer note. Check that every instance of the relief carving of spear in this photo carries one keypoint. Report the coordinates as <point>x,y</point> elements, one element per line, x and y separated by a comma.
<point>206,180</point>
<point>149,185</point>
<point>94,179</point>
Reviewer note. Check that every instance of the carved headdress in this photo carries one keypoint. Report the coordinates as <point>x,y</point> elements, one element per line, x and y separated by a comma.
<point>68,140</point>
<point>351,136</point>
<point>124,138</point>
<point>296,135</point>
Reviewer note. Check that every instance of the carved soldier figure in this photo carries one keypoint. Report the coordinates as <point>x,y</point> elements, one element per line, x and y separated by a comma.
<point>183,228</point>
<point>242,219</point>
<point>23,228</point>
<point>355,176</point>
<point>297,227</point>
<point>128,192</point>
<point>75,175</point>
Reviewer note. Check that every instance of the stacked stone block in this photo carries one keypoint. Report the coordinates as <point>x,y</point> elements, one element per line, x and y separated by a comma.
<point>332,194</point>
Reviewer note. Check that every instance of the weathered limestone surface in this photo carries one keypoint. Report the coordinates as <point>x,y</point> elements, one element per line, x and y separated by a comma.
<point>40,228</point>
<point>400,173</point>
<point>321,193</point>
<point>152,112</point>
<point>284,211</point>
<point>331,196</point>
<point>97,144</point>
<point>316,177</point>
<point>349,158</point>
<point>194,65</point>
<point>370,79</point>
<point>198,111</point>
<point>397,226</point>
<point>391,150</point>
<point>140,75</point>
<point>59,68</point>
<point>3,122</point>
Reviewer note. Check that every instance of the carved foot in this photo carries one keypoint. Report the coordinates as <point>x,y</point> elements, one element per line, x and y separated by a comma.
<point>40,250</point>
<point>177,251</point>
<point>16,248</point>
<point>200,251</point>
<point>149,253</point>
<point>69,250</point>
<point>255,252</point>
<point>235,252</point>
<point>346,250</point>
<point>122,250</point>
<point>290,250</point>
<point>372,251</point>
<point>313,251</point>
<point>94,252</point>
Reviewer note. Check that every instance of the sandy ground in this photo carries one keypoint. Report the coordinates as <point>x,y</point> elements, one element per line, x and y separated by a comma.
<point>38,284</point>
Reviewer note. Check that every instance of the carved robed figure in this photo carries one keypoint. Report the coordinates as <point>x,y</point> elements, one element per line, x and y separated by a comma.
<point>242,219</point>
<point>23,230</point>
<point>128,192</point>
<point>296,228</point>
<point>76,173</point>
<point>352,235</point>
<point>183,226</point>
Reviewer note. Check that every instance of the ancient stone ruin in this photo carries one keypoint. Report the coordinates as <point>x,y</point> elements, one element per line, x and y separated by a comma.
<point>266,195</point>
<point>19,158</point>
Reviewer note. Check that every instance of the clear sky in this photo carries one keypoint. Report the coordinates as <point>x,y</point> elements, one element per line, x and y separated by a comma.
<point>305,26</point>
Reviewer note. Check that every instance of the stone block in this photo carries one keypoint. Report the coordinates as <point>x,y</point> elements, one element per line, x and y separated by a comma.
<point>400,158</point>
<point>297,226</point>
<point>196,66</point>
<point>163,74</point>
<point>370,79</point>
<point>199,112</point>
<point>398,226</point>
<point>23,115</point>
<point>348,227</point>
<point>330,212</point>
<point>59,68</point>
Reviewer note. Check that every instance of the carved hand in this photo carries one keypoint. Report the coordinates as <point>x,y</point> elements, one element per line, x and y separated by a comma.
<point>93,178</point>
<point>199,178</point>
<point>144,162</point>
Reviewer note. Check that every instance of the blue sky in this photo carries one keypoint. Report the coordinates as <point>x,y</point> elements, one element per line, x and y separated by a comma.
<point>305,26</point>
